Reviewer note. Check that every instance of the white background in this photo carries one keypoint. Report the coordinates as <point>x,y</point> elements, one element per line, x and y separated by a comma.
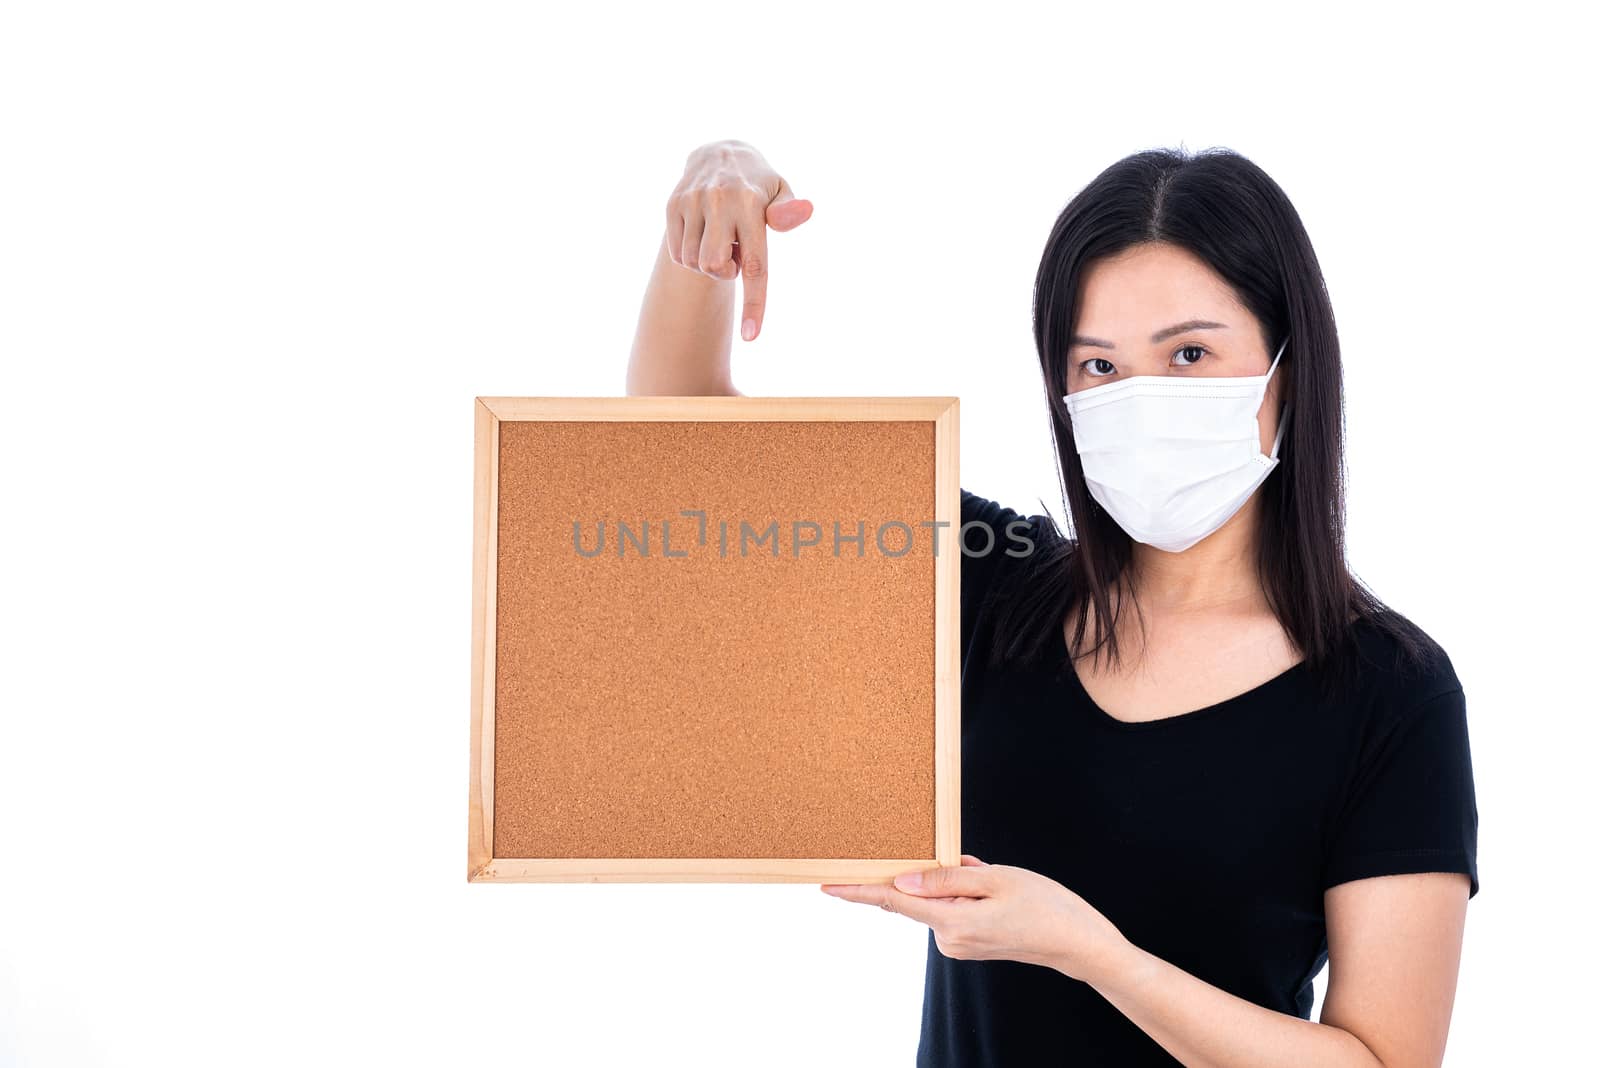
<point>256,261</point>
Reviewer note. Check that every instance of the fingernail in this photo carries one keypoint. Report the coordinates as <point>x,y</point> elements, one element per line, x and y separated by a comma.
<point>749,330</point>
<point>908,881</point>
<point>830,890</point>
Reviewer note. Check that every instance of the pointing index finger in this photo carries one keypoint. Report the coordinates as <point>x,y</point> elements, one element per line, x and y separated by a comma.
<point>752,237</point>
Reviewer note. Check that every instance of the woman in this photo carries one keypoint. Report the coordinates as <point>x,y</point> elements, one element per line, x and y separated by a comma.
<point>1199,759</point>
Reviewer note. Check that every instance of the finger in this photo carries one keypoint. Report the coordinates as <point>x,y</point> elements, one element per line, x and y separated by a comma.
<point>694,225</point>
<point>930,911</point>
<point>787,216</point>
<point>785,211</point>
<point>965,881</point>
<point>971,861</point>
<point>716,247</point>
<point>674,233</point>
<point>752,234</point>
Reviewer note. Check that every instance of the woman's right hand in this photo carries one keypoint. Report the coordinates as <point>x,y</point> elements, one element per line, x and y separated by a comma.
<point>717,219</point>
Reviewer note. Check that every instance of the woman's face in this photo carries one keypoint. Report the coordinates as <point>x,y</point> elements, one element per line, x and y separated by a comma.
<point>1156,309</point>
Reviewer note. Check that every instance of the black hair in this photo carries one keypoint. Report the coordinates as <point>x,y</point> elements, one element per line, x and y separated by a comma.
<point>1226,210</point>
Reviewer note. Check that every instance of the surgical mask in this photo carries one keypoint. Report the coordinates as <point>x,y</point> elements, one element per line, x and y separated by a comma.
<point>1172,459</point>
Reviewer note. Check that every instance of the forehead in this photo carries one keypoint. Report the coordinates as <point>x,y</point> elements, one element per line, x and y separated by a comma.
<point>1153,283</point>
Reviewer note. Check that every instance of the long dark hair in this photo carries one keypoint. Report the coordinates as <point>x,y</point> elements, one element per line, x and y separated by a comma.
<point>1227,211</point>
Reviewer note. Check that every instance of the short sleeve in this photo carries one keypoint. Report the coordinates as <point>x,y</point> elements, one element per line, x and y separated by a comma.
<point>1411,806</point>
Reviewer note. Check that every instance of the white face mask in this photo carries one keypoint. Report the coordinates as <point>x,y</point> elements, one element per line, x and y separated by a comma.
<point>1172,459</point>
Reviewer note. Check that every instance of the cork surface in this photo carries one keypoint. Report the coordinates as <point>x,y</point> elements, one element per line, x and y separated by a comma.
<point>733,701</point>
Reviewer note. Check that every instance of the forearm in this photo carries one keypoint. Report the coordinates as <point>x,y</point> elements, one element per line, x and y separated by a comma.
<point>1207,1027</point>
<point>683,343</point>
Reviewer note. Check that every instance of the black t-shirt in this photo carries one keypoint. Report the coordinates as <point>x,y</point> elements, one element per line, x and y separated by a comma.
<point>1208,838</point>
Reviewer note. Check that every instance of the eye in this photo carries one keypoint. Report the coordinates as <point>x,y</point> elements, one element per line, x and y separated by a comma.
<point>1198,350</point>
<point>1098,367</point>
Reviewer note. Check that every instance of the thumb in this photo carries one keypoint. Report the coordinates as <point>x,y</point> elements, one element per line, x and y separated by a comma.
<point>965,881</point>
<point>785,211</point>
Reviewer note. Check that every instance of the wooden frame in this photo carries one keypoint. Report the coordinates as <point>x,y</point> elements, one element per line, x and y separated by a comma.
<point>490,412</point>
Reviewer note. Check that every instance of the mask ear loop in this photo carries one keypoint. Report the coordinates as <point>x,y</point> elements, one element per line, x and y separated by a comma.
<point>1283,418</point>
<point>1277,439</point>
<point>1276,358</point>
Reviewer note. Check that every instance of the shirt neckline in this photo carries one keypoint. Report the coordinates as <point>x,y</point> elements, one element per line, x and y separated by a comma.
<point>1069,671</point>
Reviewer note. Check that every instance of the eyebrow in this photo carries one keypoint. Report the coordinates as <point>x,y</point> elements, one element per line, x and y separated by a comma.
<point>1158,336</point>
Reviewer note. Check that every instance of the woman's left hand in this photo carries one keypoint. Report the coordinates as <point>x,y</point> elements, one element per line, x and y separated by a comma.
<point>996,912</point>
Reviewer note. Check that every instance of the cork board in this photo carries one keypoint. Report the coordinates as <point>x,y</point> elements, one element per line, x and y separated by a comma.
<point>714,639</point>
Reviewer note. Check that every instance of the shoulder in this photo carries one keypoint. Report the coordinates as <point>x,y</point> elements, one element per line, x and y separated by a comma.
<point>1406,685</point>
<point>998,543</point>
<point>1400,665</point>
<point>981,510</point>
<point>983,519</point>
<point>1002,550</point>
